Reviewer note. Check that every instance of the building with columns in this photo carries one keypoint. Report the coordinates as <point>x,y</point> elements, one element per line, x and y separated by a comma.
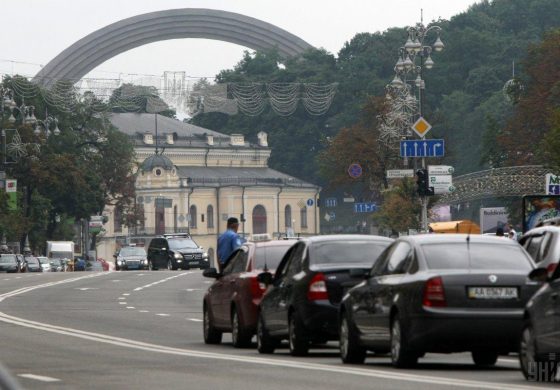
<point>192,179</point>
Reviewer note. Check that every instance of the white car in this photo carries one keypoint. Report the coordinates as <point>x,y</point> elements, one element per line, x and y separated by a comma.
<point>45,263</point>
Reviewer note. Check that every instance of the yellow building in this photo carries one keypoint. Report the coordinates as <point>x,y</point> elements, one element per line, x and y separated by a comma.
<point>193,179</point>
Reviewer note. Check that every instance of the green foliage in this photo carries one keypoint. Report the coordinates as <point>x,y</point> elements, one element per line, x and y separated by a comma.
<point>401,209</point>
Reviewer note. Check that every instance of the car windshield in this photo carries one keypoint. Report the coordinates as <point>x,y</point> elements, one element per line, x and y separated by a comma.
<point>182,243</point>
<point>43,259</point>
<point>347,252</point>
<point>132,251</point>
<point>7,259</point>
<point>32,260</point>
<point>475,256</point>
<point>269,255</point>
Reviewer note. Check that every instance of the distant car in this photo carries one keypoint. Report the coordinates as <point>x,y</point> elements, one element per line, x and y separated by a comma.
<point>539,352</point>
<point>46,264</point>
<point>230,304</point>
<point>131,257</point>
<point>302,300</point>
<point>58,265</point>
<point>9,263</point>
<point>543,244</point>
<point>439,293</point>
<point>174,251</point>
<point>33,264</point>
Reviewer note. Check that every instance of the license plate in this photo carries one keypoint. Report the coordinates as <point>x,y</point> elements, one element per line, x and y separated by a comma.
<point>492,292</point>
<point>193,262</point>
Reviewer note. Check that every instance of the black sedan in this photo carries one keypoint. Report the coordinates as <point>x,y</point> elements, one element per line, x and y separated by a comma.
<point>33,264</point>
<point>301,303</point>
<point>439,293</point>
<point>539,352</point>
<point>9,263</point>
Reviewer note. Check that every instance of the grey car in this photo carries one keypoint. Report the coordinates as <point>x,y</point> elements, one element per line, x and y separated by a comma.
<point>543,244</point>
<point>131,257</point>
<point>439,293</point>
<point>9,263</point>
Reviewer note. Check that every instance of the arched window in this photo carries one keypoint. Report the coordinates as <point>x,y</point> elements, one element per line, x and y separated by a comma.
<point>288,216</point>
<point>210,216</point>
<point>303,216</point>
<point>259,220</point>
<point>192,217</point>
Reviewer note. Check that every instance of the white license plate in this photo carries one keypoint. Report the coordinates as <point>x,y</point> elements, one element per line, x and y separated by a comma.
<point>193,262</point>
<point>492,292</point>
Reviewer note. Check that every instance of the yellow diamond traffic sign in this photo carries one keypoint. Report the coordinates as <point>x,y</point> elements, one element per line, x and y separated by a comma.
<point>421,127</point>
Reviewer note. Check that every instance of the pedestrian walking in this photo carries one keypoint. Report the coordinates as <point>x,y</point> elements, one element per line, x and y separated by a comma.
<point>228,242</point>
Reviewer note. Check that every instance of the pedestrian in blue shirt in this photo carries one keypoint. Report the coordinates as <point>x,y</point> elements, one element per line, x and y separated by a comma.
<point>229,241</point>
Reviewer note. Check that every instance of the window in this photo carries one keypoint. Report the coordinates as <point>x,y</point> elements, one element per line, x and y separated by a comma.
<point>288,216</point>
<point>346,251</point>
<point>210,216</point>
<point>192,216</point>
<point>400,259</point>
<point>303,216</point>
<point>117,220</point>
<point>259,220</point>
<point>237,263</point>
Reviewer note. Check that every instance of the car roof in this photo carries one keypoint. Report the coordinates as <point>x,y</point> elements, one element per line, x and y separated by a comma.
<point>543,229</point>
<point>457,238</point>
<point>338,237</point>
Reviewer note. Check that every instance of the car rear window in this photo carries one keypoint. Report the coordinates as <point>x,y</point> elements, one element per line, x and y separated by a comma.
<point>182,243</point>
<point>32,260</point>
<point>271,255</point>
<point>133,251</point>
<point>475,256</point>
<point>7,259</point>
<point>346,252</point>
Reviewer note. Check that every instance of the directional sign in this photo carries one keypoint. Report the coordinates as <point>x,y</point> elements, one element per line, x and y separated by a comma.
<point>355,170</point>
<point>552,184</point>
<point>421,127</point>
<point>440,170</point>
<point>423,148</point>
<point>365,207</point>
<point>442,184</point>
<point>399,173</point>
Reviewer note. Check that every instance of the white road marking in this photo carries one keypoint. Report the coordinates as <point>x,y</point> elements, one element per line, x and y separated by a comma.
<point>123,303</point>
<point>6,279</point>
<point>116,280</point>
<point>121,298</point>
<point>194,319</point>
<point>193,289</point>
<point>39,377</point>
<point>130,307</point>
<point>160,281</point>
<point>86,288</point>
<point>126,294</point>
<point>163,315</point>
<point>144,311</point>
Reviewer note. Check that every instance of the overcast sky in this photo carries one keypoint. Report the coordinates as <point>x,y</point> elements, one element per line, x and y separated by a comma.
<point>35,31</point>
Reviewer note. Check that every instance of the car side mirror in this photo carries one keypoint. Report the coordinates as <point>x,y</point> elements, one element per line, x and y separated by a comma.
<point>265,278</point>
<point>359,273</point>
<point>211,273</point>
<point>539,275</point>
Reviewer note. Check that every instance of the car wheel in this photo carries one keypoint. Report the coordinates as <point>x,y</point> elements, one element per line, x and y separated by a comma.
<point>528,356</point>
<point>211,334</point>
<point>299,344</point>
<point>170,265</point>
<point>484,358</point>
<point>350,349</point>
<point>401,355</point>
<point>265,342</point>
<point>240,337</point>
<point>151,266</point>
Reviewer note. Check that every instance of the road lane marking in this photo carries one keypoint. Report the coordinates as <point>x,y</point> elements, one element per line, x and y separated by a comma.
<point>161,281</point>
<point>86,288</point>
<point>121,298</point>
<point>193,289</point>
<point>144,311</point>
<point>130,307</point>
<point>39,377</point>
<point>163,315</point>
<point>123,303</point>
<point>194,319</point>
<point>126,294</point>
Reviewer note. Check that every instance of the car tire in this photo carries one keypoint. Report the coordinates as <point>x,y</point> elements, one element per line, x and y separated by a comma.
<point>211,334</point>
<point>240,336</point>
<point>401,355</point>
<point>266,344</point>
<point>528,354</point>
<point>151,266</point>
<point>170,266</point>
<point>299,344</point>
<point>351,352</point>
<point>484,358</point>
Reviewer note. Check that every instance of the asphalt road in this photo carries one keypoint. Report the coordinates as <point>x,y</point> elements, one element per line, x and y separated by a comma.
<point>143,330</point>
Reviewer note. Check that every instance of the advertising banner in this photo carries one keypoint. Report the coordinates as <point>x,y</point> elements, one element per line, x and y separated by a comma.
<point>11,191</point>
<point>492,218</point>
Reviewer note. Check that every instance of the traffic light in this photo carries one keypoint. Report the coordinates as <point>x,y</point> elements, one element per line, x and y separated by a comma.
<point>423,183</point>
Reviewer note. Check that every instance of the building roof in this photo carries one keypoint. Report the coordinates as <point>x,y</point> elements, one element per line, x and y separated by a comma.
<point>223,176</point>
<point>132,123</point>
<point>157,160</point>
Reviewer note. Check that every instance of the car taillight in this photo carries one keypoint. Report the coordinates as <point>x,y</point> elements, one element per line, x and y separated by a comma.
<point>434,294</point>
<point>317,288</point>
<point>551,268</point>
<point>257,288</point>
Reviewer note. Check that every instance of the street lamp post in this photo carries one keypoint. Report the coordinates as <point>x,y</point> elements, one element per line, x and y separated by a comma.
<point>415,56</point>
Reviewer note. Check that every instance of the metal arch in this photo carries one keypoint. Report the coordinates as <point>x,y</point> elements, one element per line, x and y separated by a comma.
<point>84,55</point>
<point>497,183</point>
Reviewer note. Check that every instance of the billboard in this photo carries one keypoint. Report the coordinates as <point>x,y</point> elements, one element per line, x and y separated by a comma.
<point>492,218</point>
<point>538,208</point>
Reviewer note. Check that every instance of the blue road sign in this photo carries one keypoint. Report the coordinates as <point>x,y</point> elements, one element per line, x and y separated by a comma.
<point>423,148</point>
<point>554,189</point>
<point>366,207</point>
<point>310,202</point>
<point>355,170</point>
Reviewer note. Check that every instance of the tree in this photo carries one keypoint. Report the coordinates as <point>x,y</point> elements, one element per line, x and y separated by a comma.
<point>400,210</point>
<point>139,98</point>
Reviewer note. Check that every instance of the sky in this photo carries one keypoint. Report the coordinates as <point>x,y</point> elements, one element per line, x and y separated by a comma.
<point>35,31</point>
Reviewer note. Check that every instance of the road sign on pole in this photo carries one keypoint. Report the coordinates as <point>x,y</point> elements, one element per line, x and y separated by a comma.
<point>355,170</point>
<point>423,148</point>
<point>421,127</point>
<point>399,173</point>
<point>552,184</point>
<point>441,179</point>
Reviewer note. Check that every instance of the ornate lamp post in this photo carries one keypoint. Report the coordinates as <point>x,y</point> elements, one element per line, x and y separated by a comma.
<point>413,57</point>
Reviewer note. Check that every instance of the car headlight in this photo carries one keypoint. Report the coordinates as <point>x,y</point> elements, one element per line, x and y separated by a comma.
<point>119,262</point>
<point>145,261</point>
<point>205,256</point>
<point>178,256</point>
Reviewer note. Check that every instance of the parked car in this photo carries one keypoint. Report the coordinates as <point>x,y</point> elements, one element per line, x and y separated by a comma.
<point>174,251</point>
<point>131,257</point>
<point>301,302</point>
<point>58,265</point>
<point>230,304</point>
<point>539,352</point>
<point>46,264</point>
<point>9,263</point>
<point>33,264</point>
<point>543,244</point>
<point>439,293</point>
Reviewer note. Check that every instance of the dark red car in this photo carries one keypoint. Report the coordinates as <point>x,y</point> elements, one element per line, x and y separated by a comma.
<point>230,304</point>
